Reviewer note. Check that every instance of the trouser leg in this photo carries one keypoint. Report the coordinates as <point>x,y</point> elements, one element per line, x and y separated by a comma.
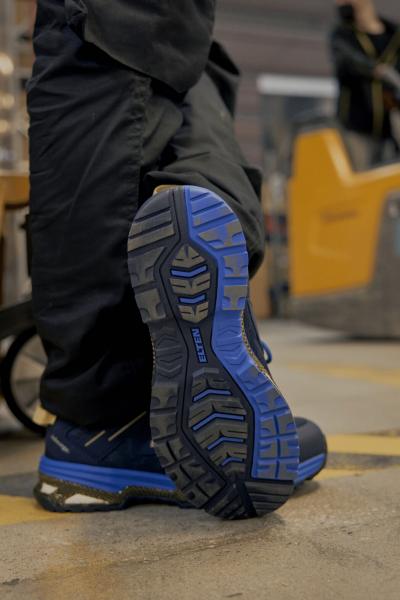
<point>98,134</point>
<point>203,151</point>
<point>87,120</point>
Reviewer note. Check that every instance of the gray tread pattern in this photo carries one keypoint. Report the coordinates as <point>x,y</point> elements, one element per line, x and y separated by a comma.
<point>199,424</point>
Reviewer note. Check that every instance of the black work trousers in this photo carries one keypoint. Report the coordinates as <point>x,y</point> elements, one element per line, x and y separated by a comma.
<point>102,137</point>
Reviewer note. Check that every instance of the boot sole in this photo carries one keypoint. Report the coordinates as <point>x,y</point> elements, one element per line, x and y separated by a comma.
<point>221,428</point>
<point>73,487</point>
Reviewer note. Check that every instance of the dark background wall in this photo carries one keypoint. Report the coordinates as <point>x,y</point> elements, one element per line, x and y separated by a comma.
<point>276,36</point>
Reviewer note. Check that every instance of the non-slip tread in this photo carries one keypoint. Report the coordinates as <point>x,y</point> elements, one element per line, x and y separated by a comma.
<point>174,276</point>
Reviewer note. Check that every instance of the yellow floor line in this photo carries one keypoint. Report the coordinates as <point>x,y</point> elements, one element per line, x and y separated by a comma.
<point>390,377</point>
<point>15,510</point>
<point>364,444</point>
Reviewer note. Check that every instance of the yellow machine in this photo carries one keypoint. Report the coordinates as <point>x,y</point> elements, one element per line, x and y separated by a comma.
<point>344,232</point>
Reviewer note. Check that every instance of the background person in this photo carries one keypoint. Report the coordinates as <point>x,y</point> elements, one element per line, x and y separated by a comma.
<point>366,53</point>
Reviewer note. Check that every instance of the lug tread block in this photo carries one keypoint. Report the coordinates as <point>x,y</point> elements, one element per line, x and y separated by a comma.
<point>266,496</point>
<point>235,297</point>
<point>151,237</point>
<point>142,271</point>
<point>213,213</point>
<point>287,469</point>
<point>167,341</point>
<point>251,376</point>
<point>196,470</point>
<point>268,399</point>
<point>285,422</point>
<point>234,470</point>
<point>178,476</point>
<point>230,450</point>
<point>194,314</point>
<point>270,450</point>
<point>272,498</point>
<point>265,469</point>
<point>209,486</point>
<point>220,428</point>
<point>191,287</point>
<point>164,423</point>
<point>212,405</point>
<point>224,236</point>
<point>231,503</point>
<point>263,507</point>
<point>240,513</point>
<point>232,507</point>
<point>164,395</point>
<point>169,371</point>
<point>207,378</point>
<point>150,305</point>
<point>268,429</point>
<point>154,206</point>
<point>288,447</point>
<point>169,356</point>
<point>278,488</point>
<point>193,480</point>
<point>195,495</point>
<point>150,224</point>
<point>236,265</point>
<point>187,258</point>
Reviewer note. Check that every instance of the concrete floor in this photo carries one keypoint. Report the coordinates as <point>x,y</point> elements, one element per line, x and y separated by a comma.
<point>338,537</point>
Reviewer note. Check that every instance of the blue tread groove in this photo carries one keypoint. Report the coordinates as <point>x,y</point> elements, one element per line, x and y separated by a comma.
<point>193,273</point>
<point>194,300</point>
<point>210,392</point>
<point>224,439</point>
<point>217,415</point>
<point>219,233</point>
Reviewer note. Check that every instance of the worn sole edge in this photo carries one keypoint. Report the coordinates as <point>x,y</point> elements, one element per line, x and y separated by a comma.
<point>59,491</point>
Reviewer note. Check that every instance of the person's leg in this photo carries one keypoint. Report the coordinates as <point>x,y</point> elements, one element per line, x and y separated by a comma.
<point>104,468</point>
<point>87,119</point>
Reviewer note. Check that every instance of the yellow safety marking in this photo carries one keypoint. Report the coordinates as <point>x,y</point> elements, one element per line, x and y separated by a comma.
<point>364,444</point>
<point>15,510</point>
<point>390,377</point>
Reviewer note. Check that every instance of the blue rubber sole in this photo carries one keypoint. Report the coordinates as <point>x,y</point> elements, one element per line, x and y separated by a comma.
<point>73,487</point>
<point>222,430</point>
<point>103,478</point>
<point>63,485</point>
<point>117,480</point>
<point>310,468</point>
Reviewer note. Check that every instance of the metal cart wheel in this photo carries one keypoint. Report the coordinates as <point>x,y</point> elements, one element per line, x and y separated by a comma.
<point>21,371</point>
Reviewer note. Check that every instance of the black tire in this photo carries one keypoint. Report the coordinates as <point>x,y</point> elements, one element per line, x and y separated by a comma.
<point>7,385</point>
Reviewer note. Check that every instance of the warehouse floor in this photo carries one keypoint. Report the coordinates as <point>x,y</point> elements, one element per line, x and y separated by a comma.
<point>338,537</point>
